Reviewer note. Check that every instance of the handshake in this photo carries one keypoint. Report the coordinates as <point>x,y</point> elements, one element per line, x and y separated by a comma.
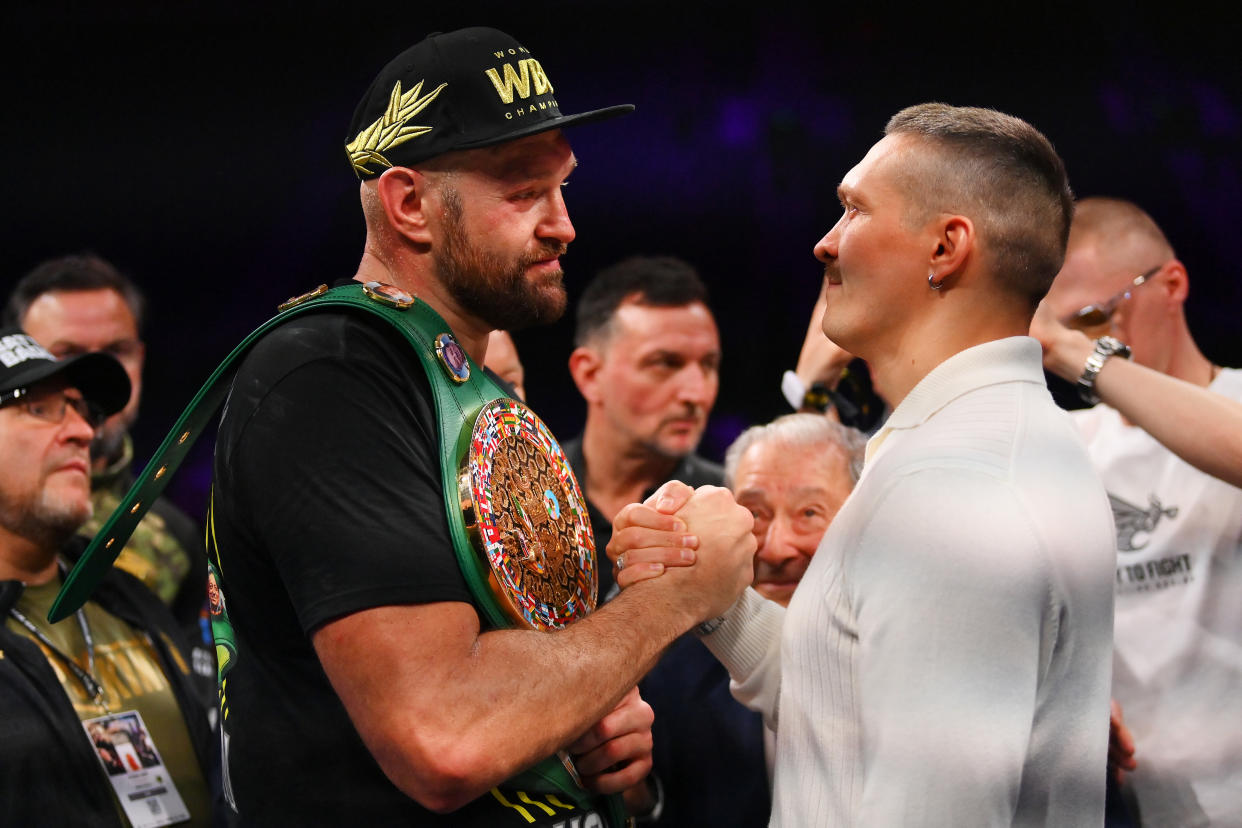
<point>694,549</point>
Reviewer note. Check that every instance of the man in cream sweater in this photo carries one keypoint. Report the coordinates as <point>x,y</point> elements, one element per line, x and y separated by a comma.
<point>945,659</point>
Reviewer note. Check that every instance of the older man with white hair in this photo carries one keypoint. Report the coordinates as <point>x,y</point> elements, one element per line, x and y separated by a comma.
<point>793,474</point>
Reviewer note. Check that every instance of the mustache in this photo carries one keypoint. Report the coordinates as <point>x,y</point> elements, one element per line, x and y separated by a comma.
<point>547,250</point>
<point>690,412</point>
<point>786,569</point>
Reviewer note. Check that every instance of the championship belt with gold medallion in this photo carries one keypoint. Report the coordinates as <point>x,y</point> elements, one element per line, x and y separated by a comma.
<point>517,517</point>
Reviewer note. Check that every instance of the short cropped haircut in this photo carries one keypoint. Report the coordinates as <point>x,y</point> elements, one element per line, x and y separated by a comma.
<point>657,281</point>
<point>1005,176</point>
<point>802,433</point>
<point>85,271</point>
<point>1113,221</point>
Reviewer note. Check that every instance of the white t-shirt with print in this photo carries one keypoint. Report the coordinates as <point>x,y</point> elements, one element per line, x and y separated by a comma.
<point>1178,629</point>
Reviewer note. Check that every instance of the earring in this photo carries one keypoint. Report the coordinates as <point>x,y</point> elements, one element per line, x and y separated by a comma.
<point>932,283</point>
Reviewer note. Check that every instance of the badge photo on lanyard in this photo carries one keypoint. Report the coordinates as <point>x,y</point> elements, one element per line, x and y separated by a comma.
<point>134,767</point>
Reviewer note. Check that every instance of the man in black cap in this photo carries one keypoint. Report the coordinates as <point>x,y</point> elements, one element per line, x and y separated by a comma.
<point>80,303</point>
<point>120,662</point>
<point>362,684</point>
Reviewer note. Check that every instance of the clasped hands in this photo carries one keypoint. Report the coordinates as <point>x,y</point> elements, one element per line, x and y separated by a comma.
<point>679,528</point>
<point>700,539</point>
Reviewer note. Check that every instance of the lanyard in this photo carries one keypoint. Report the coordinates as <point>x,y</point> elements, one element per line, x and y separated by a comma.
<point>93,688</point>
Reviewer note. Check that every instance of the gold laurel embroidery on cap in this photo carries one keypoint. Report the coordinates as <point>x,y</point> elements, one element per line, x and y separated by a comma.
<point>390,129</point>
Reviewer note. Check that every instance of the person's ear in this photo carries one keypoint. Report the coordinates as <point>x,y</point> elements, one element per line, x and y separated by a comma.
<point>1175,283</point>
<point>955,241</point>
<point>584,366</point>
<point>404,194</point>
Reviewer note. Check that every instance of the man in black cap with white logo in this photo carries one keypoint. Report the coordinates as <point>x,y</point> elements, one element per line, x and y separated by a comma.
<point>119,666</point>
<point>364,681</point>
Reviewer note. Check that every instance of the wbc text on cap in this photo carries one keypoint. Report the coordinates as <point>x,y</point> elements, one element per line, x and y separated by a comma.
<point>466,89</point>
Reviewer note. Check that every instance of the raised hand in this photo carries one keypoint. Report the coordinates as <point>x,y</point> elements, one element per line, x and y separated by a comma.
<point>1065,349</point>
<point>821,359</point>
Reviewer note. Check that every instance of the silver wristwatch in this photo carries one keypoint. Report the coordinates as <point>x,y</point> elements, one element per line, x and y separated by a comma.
<point>1105,347</point>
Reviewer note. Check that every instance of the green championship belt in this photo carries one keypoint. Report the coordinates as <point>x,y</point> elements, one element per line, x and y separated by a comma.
<point>517,517</point>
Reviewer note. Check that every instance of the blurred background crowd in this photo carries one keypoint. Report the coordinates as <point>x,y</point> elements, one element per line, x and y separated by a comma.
<point>198,146</point>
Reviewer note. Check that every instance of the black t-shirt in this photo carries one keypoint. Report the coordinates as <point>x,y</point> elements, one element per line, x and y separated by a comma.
<point>328,501</point>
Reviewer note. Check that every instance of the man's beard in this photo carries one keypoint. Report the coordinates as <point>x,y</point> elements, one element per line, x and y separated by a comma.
<point>496,291</point>
<point>43,521</point>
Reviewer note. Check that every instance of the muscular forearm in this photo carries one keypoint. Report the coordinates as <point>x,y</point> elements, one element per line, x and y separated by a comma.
<point>471,709</point>
<point>1199,426</point>
<point>567,680</point>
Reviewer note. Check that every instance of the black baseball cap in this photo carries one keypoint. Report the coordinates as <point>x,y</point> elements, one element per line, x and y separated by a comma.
<point>25,363</point>
<point>459,90</point>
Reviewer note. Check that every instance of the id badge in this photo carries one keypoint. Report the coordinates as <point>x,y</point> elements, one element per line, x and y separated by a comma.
<point>134,767</point>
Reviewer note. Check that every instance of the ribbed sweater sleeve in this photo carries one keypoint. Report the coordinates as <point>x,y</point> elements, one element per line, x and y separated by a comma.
<point>748,644</point>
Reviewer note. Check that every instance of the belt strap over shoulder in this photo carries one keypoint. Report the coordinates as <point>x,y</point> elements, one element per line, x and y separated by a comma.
<point>454,401</point>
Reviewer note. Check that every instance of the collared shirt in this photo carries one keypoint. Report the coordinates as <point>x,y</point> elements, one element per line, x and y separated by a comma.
<point>945,659</point>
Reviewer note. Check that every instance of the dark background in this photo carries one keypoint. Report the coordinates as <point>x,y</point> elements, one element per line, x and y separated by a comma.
<point>199,146</point>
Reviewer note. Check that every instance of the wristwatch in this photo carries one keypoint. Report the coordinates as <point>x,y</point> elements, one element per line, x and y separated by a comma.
<point>656,788</point>
<point>793,389</point>
<point>1105,347</point>
<point>819,397</point>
